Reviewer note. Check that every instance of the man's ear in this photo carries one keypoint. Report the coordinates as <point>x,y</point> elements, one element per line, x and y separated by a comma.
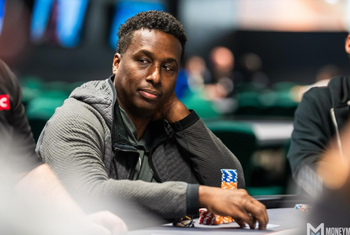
<point>347,44</point>
<point>116,62</point>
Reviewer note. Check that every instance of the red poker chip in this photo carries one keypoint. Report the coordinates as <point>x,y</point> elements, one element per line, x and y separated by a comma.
<point>206,217</point>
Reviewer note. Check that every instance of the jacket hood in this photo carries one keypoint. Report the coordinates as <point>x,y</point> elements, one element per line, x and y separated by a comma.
<point>99,94</point>
<point>339,87</point>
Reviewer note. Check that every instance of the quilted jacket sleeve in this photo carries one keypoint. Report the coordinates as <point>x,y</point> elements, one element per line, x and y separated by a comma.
<point>206,152</point>
<point>73,143</point>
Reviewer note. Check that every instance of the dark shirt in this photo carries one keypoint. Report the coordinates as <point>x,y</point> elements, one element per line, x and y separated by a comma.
<point>17,150</point>
<point>142,170</point>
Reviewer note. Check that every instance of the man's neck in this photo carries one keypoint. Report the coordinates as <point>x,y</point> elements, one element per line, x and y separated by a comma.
<point>140,124</point>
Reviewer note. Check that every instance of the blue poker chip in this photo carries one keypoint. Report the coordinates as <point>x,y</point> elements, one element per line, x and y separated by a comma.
<point>302,207</point>
<point>234,180</point>
<point>229,175</point>
<point>229,172</point>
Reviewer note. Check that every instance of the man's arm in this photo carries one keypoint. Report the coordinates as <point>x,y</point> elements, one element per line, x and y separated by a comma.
<point>209,156</point>
<point>73,144</point>
<point>207,152</point>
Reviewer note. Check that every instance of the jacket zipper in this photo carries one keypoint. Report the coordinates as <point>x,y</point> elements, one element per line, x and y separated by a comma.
<point>337,133</point>
<point>132,172</point>
<point>153,170</point>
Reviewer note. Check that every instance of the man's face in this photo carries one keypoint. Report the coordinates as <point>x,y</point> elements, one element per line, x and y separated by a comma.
<point>145,74</point>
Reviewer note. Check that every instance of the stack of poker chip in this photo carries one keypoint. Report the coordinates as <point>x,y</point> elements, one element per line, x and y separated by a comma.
<point>229,180</point>
<point>205,217</point>
<point>302,207</point>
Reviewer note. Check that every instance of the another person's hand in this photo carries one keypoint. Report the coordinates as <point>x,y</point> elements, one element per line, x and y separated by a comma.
<point>235,203</point>
<point>334,165</point>
<point>104,222</point>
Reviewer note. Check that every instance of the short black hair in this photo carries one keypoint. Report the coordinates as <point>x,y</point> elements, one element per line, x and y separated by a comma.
<point>159,20</point>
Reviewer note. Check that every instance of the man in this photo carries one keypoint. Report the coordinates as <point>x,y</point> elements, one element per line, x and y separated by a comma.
<point>24,176</point>
<point>319,117</point>
<point>130,137</point>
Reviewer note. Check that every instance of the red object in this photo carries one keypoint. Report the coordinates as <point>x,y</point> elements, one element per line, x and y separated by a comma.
<point>206,217</point>
<point>4,102</point>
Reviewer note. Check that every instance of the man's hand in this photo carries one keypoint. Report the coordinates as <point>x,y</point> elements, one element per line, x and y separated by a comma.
<point>235,203</point>
<point>173,110</point>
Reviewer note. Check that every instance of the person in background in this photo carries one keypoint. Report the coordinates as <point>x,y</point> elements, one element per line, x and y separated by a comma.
<point>320,116</point>
<point>198,73</point>
<point>332,208</point>
<point>129,136</point>
<point>251,70</point>
<point>223,80</point>
<point>26,178</point>
<point>192,78</point>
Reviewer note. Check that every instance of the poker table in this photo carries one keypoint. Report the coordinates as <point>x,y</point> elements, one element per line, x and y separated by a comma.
<point>285,220</point>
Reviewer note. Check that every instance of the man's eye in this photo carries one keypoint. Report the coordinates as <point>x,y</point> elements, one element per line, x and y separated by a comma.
<point>143,61</point>
<point>168,68</point>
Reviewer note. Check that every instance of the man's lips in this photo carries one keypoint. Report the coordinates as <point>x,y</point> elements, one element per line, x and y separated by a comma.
<point>149,94</point>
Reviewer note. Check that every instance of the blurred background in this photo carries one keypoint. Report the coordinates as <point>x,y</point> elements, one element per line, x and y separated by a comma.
<point>246,67</point>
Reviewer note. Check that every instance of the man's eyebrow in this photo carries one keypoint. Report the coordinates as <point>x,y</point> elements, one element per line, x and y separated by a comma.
<point>152,55</point>
<point>171,60</point>
<point>147,53</point>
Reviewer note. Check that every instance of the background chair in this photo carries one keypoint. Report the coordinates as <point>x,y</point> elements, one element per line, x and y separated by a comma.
<point>40,110</point>
<point>239,138</point>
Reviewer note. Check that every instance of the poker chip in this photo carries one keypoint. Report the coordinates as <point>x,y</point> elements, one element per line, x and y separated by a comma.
<point>225,185</point>
<point>205,217</point>
<point>302,207</point>
<point>222,219</point>
<point>229,176</point>
<point>229,180</point>
<point>185,222</point>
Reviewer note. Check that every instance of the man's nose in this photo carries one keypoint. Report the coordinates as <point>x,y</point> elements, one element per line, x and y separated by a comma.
<point>154,76</point>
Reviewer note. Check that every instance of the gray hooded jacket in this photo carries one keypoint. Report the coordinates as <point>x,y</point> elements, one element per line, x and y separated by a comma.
<point>85,142</point>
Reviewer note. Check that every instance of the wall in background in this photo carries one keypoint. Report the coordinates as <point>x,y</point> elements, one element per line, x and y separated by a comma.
<point>286,55</point>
